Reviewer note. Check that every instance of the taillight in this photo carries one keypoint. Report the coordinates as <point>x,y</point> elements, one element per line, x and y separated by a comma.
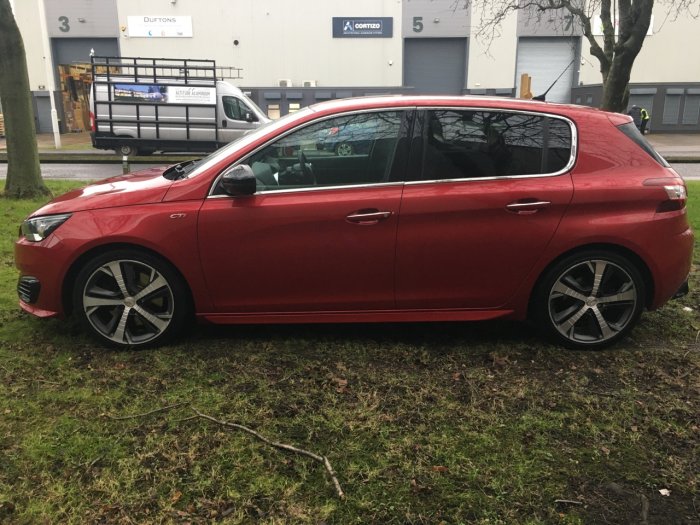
<point>676,193</point>
<point>92,121</point>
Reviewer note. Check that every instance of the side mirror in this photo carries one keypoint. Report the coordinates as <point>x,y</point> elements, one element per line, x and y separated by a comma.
<point>249,117</point>
<point>239,181</point>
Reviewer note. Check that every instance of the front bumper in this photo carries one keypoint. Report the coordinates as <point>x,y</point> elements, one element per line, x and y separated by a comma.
<point>683,290</point>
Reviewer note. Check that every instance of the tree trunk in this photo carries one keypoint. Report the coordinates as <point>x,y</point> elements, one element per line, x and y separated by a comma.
<point>616,85</point>
<point>23,171</point>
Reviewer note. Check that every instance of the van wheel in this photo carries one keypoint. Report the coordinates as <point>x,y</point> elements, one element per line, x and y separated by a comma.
<point>130,299</point>
<point>589,300</point>
<point>127,149</point>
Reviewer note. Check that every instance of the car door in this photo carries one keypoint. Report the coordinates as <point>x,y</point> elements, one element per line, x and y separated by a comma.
<point>320,232</point>
<point>487,195</point>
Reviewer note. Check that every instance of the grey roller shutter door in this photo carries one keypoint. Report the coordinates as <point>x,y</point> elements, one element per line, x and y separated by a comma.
<point>435,65</point>
<point>544,59</point>
<point>77,50</point>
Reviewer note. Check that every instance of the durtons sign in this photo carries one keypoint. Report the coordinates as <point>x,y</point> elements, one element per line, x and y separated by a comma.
<point>145,26</point>
<point>363,27</point>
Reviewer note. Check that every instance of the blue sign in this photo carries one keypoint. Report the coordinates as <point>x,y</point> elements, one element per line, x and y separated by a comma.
<point>363,27</point>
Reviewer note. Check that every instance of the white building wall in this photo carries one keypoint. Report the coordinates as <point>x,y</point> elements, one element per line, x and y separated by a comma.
<point>278,39</point>
<point>492,64</point>
<point>27,17</point>
<point>667,56</point>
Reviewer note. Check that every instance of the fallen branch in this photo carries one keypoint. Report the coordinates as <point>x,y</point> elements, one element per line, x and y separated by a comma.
<point>568,501</point>
<point>236,426</point>
<point>135,416</point>
<point>281,446</point>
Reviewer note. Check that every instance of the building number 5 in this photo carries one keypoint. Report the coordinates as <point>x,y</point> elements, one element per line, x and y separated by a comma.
<point>417,24</point>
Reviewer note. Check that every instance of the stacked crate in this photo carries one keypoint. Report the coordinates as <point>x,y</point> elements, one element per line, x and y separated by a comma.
<point>76,80</point>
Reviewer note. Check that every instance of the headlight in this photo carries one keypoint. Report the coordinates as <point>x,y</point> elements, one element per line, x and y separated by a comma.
<point>38,228</point>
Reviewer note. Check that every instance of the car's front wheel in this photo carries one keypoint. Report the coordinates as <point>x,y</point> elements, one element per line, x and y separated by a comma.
<point>127,298</point>
<point>590,299</point>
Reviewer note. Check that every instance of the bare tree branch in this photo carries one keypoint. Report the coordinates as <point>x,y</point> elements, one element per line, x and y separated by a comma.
<point>282,446</point>
<point>323,460</point>
<point>145,414</point>
<point>617,51</point>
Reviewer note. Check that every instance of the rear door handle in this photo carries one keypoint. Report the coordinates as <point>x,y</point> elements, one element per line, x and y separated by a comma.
<point>527,206</point>
<point>368,217</point>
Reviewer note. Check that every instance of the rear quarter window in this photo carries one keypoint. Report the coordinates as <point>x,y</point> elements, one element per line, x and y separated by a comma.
<point>484,144</point>
<point>631,131</point>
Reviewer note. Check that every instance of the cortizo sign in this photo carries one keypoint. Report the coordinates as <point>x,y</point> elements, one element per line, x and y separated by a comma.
<point>363,27</point>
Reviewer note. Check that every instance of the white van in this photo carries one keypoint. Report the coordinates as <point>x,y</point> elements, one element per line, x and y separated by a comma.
<point>142,105</point>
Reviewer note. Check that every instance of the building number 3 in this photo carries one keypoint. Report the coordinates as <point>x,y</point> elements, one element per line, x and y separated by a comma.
<point>417,24</point>
<point>64,27</point>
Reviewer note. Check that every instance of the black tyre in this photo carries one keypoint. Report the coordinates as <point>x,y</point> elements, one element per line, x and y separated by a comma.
<point>129,299</point>
<point>127,149</point>
<point>589,300</point>
<point>344,149</point>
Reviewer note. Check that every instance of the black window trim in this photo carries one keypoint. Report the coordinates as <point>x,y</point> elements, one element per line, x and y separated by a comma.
<point>420,131</point>
<point>408,118</point>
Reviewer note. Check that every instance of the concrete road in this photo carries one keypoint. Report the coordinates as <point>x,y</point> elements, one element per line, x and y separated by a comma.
<point>102,171</point>
<point>688,171</point>
<point>81,171</point>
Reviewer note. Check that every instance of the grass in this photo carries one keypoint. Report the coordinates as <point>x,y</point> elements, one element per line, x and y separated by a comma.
<point>424,423</point>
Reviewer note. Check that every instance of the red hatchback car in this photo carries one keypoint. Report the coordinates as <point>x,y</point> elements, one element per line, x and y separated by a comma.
<point>454,208</point>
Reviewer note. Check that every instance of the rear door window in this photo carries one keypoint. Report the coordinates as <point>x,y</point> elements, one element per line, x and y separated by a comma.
<point>461,144</point>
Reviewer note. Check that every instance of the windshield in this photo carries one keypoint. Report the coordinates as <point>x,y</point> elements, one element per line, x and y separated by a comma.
<point>245,140</point>
<point>253,105</point>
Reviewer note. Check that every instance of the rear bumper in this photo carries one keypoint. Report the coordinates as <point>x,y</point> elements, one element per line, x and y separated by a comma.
<point>672,267</point>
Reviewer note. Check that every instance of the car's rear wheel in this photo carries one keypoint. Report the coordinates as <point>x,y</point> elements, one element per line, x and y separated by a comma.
<point>127,298</point>
<point>590,300</point>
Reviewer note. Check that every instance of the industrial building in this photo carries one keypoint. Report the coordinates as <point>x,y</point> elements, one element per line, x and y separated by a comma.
<point>291,54</point>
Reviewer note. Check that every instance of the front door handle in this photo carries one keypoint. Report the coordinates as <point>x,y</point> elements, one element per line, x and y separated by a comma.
<point>368,217</point>
<point>527,206</point>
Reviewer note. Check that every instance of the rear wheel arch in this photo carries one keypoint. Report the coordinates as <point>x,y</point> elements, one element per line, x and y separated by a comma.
<point>603,247</point>
<point>591,297</point>
<point>69,280</point>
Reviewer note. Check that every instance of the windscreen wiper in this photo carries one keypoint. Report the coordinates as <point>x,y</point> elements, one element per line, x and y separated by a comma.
<point>179,170</point>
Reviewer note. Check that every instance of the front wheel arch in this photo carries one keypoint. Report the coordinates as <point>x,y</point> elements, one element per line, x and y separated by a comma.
<point>72,273</point>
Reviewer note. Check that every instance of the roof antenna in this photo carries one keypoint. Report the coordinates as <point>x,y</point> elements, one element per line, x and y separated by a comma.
<point>542,97</point>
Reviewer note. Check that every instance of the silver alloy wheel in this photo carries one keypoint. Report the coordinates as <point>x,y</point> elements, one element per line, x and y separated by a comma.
<point>592,301</point>
<point>128,302</point>
<point>344,149</point>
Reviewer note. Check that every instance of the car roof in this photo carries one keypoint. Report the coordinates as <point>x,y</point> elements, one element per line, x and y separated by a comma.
<point>466,101</point>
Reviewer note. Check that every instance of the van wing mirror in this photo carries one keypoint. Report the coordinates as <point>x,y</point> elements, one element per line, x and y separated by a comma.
<point>239,181</point>
<point>249,117</point>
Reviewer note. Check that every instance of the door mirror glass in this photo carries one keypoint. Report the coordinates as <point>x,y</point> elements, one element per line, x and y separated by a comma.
<point>249,117</point>
<point>238,181</point>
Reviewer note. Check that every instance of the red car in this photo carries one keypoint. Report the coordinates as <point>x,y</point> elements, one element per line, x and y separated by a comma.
<point>462,209</point>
